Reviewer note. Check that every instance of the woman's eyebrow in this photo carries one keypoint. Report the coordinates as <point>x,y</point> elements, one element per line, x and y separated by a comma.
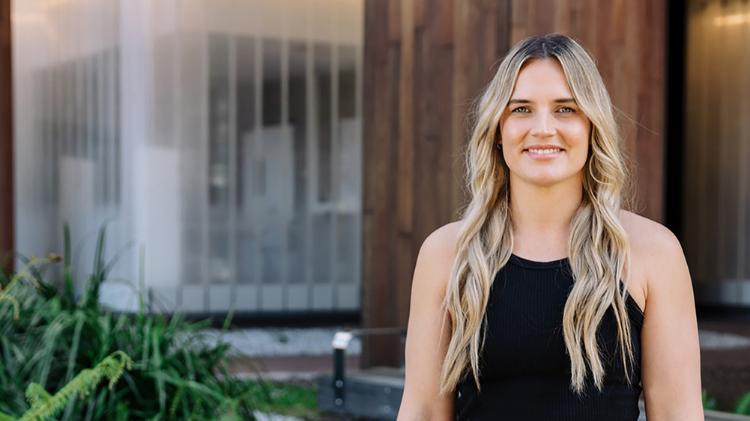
<point>526,101</point>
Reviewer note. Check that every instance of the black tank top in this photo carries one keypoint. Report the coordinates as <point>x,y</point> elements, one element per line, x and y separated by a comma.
<point>525,369</point>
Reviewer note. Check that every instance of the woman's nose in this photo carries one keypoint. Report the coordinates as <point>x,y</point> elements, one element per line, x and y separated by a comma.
<point>542,126</point>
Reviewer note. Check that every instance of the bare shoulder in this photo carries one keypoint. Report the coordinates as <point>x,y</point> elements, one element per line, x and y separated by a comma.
<point>654,248</point>
<point>649,236</point>
<point>644,231</point>
<point>670,348</point>
<point>437,254</point>
<point>429,329</point>
<point>443,239</point>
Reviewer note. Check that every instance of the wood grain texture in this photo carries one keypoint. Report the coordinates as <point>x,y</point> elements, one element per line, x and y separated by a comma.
<point>6,139</point>
<point>425,62</point>
<point>627,41</point>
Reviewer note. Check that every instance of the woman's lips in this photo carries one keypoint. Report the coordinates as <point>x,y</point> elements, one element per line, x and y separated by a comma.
<point>543,154</point>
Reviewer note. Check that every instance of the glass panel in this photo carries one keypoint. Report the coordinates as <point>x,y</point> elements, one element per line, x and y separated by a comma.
<point>346,249</point>
<point>349,170</point>
<point>246,97</point>
<point>274,169</point>
<point>716,216</point>
<point>218,157</point>
<point>321,251</point>
<point>245,91</point>
<point>322,85</point>
<point>229,159</point>
<point>298,125</point>
<point>271,82</point>
<point>347,81</point>
<point>218,120</point>
<point>114,99</point>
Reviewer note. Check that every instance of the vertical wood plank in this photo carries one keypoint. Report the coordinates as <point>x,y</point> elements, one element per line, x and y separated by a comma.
<point>406,149</point>
<point>417,91</point>
<point>744,139</point>
<point>6,140</point>
<point>692,179</point>
<point>380,151</point>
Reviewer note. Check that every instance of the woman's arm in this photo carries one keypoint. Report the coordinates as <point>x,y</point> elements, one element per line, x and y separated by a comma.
<point>428,332</point>
<point>671,372</point>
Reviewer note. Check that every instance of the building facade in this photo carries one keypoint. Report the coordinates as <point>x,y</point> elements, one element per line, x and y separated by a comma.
<point>218,141</point>
<point>289,157</point>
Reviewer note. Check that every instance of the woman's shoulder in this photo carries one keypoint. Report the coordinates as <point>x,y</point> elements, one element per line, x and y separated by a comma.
<point>436,256</point>
<point>444,238</point>
<point>646,234</point>
<point>653,248</point>
<point>440,246</point>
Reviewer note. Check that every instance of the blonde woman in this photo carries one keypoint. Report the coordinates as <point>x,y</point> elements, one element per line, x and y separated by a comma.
<point>548,300</point>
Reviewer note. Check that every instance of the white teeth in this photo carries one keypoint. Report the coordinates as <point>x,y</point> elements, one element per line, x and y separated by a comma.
<point>544,151</point>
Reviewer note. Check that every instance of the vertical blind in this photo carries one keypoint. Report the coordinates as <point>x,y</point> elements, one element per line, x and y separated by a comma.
<point>717,149</point>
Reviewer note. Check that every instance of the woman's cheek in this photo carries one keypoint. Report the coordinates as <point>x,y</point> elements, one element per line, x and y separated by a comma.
<point>579,133</point>
<point>512,131</point>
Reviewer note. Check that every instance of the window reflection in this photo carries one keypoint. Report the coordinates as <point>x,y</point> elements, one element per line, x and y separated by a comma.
<point>232,154</point>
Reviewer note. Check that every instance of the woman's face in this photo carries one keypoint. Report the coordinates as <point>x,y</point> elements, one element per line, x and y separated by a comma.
<point>543,132</point>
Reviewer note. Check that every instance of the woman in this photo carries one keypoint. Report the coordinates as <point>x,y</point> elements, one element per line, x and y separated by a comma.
<point>548,300</point>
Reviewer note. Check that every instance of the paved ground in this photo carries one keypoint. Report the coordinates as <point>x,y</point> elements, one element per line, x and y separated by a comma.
<point>299,355</point>
<point>725,361</point>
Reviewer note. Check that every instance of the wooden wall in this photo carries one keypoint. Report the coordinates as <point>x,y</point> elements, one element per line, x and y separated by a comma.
<point>6,138</point>
<point>627,40</point>
<point>425,60</point>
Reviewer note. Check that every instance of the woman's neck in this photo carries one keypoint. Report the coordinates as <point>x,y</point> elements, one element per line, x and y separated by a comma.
<point>542,215</point>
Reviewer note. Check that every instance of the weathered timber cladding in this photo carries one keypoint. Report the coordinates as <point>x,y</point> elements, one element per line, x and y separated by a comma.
<point>425,61</point>
<point>6,139</point>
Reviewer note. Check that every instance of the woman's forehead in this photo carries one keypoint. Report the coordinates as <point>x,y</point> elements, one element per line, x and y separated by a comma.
<point>541,80</point>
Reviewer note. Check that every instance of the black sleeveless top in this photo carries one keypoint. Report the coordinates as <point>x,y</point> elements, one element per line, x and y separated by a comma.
<point>525,369</point>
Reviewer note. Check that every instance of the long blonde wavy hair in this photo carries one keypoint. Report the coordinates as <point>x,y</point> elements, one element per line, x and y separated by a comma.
<point>598,245</point>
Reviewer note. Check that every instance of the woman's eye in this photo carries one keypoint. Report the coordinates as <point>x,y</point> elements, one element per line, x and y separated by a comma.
<point>568,110</point>
<point>520,110</point>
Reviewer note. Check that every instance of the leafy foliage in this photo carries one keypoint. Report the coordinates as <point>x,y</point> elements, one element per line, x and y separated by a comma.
<point>48,334</point>
<point>44,406</point>
<point>743,404</point>
<point>709,402</point>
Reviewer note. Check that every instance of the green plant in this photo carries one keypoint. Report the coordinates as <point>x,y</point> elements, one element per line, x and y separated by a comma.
<point>49,334</point>
<point>709,402</point>
<point>743,404</point>
<point>44,406</point>
<point>289,399</point>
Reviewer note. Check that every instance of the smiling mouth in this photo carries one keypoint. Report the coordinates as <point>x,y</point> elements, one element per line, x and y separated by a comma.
<point>545,151</point>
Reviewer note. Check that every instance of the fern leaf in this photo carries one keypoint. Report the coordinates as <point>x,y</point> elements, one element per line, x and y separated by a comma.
<point>36,395</point>
<point>44,406</point>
